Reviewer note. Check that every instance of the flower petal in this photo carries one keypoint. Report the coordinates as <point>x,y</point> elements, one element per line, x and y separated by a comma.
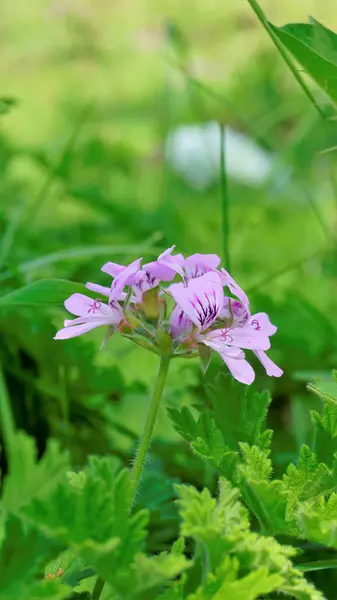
<point>81,305</point>
<point>235,312</point>
<point>180,323</point>
<point>271,368</point>
<point>199,264</point>
<point>174,262</point>
<point>100,289</point>
<point>112,269</point>
<point>261,322</point>
<point>76,330</point>
<point>241,370</point>
<point>241,337</point>
<point>201,299</point>
<point>159,271</point>
<point>128,276</point>
<point>227,280</point>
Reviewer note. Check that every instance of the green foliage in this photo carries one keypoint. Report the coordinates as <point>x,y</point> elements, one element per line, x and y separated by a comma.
<point>325,434</point>
<point>223,424</point>
<point>315,48</point>
<point>221,529</point>
<point>239,412</point>
<point>319,523</point>
<point>327,390</point>
<point>309,479</point>
<point>46,292</point>
<point>87,182</point>
<point>23,551</point>
<point>29,478</point>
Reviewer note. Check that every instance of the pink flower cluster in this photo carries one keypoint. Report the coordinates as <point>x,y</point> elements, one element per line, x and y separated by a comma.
<point>202,314</point>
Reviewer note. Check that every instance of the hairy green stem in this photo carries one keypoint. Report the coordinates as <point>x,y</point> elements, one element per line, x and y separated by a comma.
<point>260,15</point>
<point>151,417</point>
<point>224,199</point>
<point>143,447</point>
<point>6,418</point>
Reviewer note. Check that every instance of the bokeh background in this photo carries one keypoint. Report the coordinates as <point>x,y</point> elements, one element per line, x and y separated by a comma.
<point>110,150</point>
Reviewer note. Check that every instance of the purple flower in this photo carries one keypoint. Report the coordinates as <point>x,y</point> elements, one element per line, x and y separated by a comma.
<point>223,323</point>
<point>191,267</point>
<point>201,300</point>
<point>91,313</point>
<point>126,276</point>
<point>140,279</point>
<point>202,313</point>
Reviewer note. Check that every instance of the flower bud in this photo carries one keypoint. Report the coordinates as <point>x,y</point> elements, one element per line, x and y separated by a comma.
<point>150,303</point>
<point>164,342</point>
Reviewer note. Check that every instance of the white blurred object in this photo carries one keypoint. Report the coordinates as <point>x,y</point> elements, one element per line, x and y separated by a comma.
<point>194,151</point>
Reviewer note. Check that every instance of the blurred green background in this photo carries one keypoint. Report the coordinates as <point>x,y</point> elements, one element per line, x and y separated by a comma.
<point>109,150</point>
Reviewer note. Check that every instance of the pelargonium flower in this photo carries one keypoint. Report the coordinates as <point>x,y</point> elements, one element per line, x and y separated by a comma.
<point>90,314</point>
<point>202,315</point>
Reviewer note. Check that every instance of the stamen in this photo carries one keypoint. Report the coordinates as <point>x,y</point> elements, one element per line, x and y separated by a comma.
<point>226,338</point>
<point>96,305</point>
<point>256,325</point>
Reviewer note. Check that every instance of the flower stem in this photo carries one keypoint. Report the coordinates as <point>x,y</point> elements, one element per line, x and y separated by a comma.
<point>145,439</point>
<point>143,447</point>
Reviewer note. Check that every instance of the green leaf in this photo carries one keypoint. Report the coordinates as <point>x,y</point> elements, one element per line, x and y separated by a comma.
<point>325,434</point>
<point>30,478</point>
<point>250,587</point>
<point>50,590</point>
<point>94,519</point>
<point>150,572</point>
<point>265,498</point>
<point>257,463</point>
<point>315,48</point>
<point>46,292</point>
<point>326,390</point>
<point>239,412</point>
<point>308,480</point>
<point>221,530</point>
<point>319,523</point>
<point>227,584</point>
<point>205,438</point>
<point>212,521</point>
<point>23,553</point>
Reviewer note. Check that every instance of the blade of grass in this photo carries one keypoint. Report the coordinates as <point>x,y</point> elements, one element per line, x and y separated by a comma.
<point>318,565</point>
<point>313,205</point>
<point>261,17</point>
<point>7,421</point>
<point>224,198</point>
<point>22,221</point>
